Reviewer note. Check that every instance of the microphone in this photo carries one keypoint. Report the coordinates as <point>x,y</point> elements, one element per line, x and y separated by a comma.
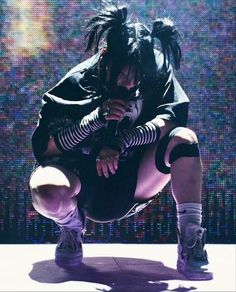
<point>111,130</point>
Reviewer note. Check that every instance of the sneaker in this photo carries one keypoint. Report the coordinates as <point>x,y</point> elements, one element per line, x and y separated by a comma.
<point>69,249</point>
<point>192,258</point>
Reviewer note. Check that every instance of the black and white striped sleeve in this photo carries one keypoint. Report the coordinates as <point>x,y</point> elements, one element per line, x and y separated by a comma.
<point>141,135</point>
<point>69,137</point>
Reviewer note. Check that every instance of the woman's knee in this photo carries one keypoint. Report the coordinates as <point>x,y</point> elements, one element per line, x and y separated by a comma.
<point>56,176</point>
<point>52,179</point>
<point>183,142</point>
<point>183,135</point>
<point>52,189</point>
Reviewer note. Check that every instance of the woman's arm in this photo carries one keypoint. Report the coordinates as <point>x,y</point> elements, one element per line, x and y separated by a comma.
<point>67,138</point>
<point>148,133</point>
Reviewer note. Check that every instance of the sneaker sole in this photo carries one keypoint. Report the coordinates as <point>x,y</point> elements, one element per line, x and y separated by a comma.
<point>69,262</point>
<point>197,276</point>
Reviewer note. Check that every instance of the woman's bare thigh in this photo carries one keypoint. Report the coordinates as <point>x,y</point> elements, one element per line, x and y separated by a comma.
<point>150,180</point>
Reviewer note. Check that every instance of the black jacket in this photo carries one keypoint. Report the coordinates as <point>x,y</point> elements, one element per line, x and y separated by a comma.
<point>79,93</point>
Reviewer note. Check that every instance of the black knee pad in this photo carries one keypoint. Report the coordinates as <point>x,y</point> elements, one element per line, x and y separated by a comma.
<point>184,150</point>
<point>180,150</point>
<point>160,155</point>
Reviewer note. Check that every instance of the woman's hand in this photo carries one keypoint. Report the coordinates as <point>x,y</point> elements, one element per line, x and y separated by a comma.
<point>107,162</point>
<point>114,109</point>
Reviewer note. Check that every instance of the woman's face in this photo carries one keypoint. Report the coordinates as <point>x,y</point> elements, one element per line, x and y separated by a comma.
<point>127,77</point>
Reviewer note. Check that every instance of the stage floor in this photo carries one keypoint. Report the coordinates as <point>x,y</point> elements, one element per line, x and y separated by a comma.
<point>112,267</point>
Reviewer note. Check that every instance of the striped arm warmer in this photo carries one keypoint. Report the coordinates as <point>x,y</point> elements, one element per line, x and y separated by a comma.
<point>69,137</point>
<point>141,135</point>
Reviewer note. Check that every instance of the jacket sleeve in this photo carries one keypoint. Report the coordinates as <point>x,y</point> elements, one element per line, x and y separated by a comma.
<point>173,102</point>
<point>67,99</point>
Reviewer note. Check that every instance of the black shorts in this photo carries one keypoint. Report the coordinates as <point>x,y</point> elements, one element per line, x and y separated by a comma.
<point>109,199</point>
<point>104,199</point>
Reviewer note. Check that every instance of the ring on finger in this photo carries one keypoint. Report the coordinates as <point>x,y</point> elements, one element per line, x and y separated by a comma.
<point>109,102</point>
<point>108,110</point>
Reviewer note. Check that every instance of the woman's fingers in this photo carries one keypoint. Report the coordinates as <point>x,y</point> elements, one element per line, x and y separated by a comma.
<point>104,167</point>
<point>107,165</point>
<point>115,109</point>
<point>99,167</point>
<point>110,164</point>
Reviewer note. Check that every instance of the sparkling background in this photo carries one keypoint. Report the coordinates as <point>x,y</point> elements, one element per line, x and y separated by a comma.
<point>40,40</point>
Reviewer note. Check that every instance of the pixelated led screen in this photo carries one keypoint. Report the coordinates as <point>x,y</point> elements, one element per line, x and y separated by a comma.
<point>42,39</point>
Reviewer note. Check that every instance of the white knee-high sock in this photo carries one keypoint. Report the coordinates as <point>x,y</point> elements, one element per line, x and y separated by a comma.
<point>189,213</point>
<point>72,220</point>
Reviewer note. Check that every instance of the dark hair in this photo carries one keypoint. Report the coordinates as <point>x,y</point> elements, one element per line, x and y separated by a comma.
<point>132,42</point>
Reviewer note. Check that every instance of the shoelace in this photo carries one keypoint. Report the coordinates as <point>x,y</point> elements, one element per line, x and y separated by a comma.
<point>198,251</point>
<point>196,246</point>
<point>69,239</point>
